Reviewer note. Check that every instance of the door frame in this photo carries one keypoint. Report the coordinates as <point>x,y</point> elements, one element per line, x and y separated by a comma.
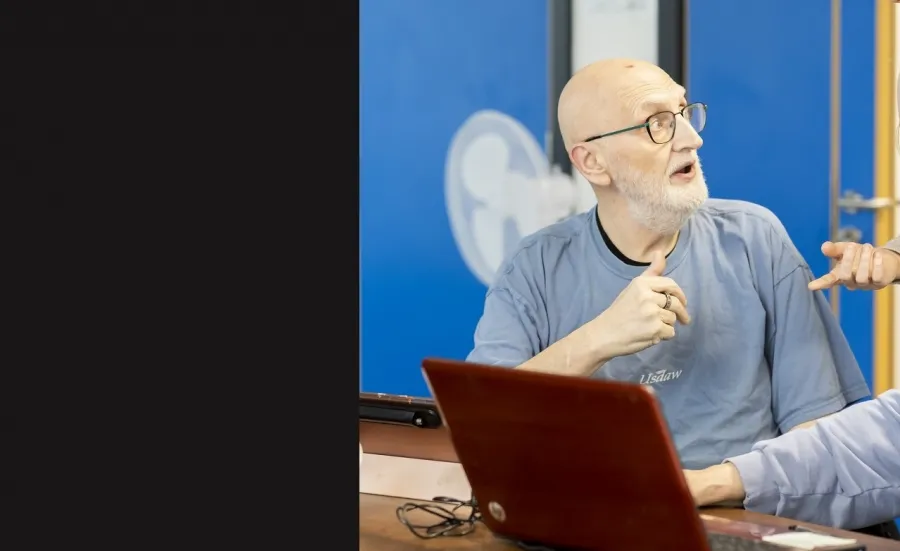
<point>896,351</point>
<point>885,159</point>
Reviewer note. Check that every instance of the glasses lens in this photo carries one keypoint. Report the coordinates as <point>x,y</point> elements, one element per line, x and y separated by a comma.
<point>661,127</point>
<point>695,114</point>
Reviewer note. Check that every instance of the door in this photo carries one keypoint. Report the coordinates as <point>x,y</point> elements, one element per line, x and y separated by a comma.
<point>792,126</point>
<point>447,89</point>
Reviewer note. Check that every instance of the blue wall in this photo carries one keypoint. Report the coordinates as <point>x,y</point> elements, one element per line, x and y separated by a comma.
<point>764,69</point>
<point>425,66</point>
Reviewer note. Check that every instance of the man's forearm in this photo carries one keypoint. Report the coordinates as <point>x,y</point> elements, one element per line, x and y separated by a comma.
<point>580,353</point>
<point>844,472</point>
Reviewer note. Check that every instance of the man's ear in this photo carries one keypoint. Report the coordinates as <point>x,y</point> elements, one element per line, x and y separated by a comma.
<point>591,164</point>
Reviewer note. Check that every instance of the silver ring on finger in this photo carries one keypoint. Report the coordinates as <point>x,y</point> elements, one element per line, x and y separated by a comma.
<point>668,300</point>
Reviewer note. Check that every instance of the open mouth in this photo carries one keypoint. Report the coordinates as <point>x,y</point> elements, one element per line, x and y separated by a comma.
<point>684,170</point>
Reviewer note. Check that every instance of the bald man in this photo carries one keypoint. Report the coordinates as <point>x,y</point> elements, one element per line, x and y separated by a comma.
<point>705,300</point>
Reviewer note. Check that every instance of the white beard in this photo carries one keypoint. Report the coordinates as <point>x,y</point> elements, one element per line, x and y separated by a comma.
<point>656,203</point>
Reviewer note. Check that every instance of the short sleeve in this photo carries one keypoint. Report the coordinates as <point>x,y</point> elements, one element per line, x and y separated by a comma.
<point>506,334</point>
<point>814,371</point>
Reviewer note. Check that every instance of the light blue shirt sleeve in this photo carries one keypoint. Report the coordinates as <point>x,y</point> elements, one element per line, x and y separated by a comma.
<point>507,333</point>
<point>843,472</point>
<point>814,371</point>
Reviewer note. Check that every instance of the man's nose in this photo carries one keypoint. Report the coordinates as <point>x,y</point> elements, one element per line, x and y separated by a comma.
<point>685,135</point>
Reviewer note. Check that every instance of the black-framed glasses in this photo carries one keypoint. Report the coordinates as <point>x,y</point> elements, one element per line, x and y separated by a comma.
<point>661,126</point>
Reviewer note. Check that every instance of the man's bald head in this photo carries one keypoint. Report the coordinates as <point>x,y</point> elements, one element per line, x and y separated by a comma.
<point>660,182</point>
<point>609,94</point>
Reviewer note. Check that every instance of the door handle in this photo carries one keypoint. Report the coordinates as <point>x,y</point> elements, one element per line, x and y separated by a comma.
<point>850,234</point>
<point>852,202</point>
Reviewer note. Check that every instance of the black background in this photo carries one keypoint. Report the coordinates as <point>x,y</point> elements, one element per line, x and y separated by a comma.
<point>172,256</point>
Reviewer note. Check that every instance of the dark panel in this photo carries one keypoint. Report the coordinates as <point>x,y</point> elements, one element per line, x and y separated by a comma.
<point>560,66</point>
<point>671,46</point>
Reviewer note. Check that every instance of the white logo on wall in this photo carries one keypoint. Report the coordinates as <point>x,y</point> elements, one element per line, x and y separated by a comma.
<point>499,188</point>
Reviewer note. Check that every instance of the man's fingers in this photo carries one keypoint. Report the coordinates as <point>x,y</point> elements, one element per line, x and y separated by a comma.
<point>675,306</point>
<point>663,285</point>
<point>833,250</point>
<point>878,267</point>
<point>845,270</point>
<point>857,256</point>
<point>678,302</point>
<point>666,332</point>
<point>827,281</point>
<point>864,266</point>
<point>657,266</point>
<point>859,266</point>
<point>668,317</point>
<point>680,311</point>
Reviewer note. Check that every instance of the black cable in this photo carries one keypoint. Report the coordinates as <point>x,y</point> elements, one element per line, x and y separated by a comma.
<point>458,518</point>
<point>455,520</point>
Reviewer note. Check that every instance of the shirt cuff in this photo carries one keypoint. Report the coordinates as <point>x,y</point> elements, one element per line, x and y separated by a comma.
<point>761,493</point>
<point>893,245</point>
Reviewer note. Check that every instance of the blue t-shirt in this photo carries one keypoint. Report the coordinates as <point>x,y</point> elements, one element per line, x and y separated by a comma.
<point>762,353</point>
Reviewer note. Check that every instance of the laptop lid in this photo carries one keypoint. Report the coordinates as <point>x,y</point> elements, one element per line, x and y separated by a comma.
<point>566,461</point>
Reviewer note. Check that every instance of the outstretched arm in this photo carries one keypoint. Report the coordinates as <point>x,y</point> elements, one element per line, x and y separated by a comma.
<point>844,471</point>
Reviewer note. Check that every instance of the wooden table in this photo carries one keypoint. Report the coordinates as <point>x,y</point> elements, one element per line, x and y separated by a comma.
<point>379,530</point>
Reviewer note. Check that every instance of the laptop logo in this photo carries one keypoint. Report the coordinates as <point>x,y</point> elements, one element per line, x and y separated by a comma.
<point>661,376</point>
<point>497,511</point>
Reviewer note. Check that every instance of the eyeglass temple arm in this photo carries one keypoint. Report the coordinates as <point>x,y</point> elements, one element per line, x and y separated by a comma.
<point>629,129</point>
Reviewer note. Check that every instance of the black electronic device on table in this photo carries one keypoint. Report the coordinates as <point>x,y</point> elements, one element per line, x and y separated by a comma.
<point>399,410</point>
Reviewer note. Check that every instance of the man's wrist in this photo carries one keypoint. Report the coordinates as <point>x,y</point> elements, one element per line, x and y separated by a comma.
<point>721,483</point>
<point>597,335</point>
<point>579,354</point>
<point>892,256</point>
